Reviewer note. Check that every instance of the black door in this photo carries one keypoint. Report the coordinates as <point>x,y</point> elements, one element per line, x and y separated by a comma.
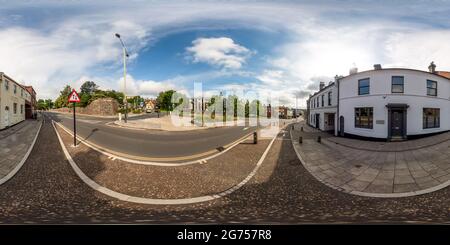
<point>317,120</point>
<point>341,126</point>
<point>397,123</point>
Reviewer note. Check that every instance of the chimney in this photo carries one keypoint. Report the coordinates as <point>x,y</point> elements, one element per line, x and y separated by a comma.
<point>322,85</point>
<point>353,70</point>
<point>432,67</point>
<point>377,67</point>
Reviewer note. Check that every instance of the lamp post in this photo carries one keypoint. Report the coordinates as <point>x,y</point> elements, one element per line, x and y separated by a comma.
<point>125,55</point>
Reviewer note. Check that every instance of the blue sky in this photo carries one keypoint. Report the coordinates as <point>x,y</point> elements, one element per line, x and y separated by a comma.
<point>281,49</point>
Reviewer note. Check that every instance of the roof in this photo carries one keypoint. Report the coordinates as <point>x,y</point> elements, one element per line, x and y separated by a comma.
<point>12,80</point>
<point>444,73</point>
<point>438,73</point>
<point>324,88</point>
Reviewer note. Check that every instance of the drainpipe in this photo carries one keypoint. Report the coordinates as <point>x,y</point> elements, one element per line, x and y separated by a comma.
<point>337,111</point>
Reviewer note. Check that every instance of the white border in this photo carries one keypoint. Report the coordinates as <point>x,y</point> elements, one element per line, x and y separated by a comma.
<point>141,200</point>
<point>163,164</point>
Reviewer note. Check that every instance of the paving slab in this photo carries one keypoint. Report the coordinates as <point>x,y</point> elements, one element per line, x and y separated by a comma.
<point>378,169</point>
<point>15,142</point>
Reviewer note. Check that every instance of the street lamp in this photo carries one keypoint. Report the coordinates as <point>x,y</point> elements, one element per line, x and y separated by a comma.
<point>125,55</point>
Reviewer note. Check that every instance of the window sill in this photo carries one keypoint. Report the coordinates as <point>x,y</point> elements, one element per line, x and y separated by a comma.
<point>364,129</point>
<point>431,128</point>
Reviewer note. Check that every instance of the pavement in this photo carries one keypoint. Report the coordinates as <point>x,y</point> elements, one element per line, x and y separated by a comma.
<point>153,145</point>
<point>15,143</point>
<point>377,169</point>
<point>282,191</point>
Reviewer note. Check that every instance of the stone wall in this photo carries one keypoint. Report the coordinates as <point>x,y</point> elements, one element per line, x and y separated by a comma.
<point>102,107</point>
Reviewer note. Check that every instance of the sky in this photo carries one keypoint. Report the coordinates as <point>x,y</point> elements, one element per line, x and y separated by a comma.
<point>272,48</point>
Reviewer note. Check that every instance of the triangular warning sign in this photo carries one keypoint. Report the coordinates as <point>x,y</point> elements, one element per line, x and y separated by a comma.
<point>74,97</point>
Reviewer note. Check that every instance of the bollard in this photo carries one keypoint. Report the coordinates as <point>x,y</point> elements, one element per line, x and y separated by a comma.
<point>300,139</point>
<point>319,139</point>
<point>301,129</point>
<point>255,137</point>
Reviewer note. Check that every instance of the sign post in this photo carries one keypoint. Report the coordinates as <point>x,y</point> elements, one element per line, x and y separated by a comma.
<point>74,98</point>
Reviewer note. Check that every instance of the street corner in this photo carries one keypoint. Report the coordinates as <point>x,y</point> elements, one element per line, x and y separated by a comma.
<point>375,169</point>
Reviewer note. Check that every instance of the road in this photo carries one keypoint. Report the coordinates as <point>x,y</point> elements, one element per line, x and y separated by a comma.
<point>152,144</point>
<point>46,190</point>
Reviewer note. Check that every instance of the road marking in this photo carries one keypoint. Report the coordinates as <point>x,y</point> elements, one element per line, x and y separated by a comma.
<point>89,121</point>
<point>152,201</point>
<point>154,163</point>
<point>25,157</point>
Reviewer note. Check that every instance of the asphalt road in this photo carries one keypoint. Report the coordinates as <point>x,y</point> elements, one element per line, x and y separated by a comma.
<point>47,190</point>
<point>152,143</point>
<point>106,119</point>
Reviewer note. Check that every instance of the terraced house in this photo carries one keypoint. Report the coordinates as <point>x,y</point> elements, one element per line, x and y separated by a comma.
<point>16,102</point>
<point>390,103</point>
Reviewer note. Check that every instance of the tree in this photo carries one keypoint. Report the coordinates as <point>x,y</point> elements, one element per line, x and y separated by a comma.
<point>164,100</point>
<point>41,104</point>
<point>85,99</point>
<point>61,101</point>
<point>88,87</point>
<point>44,104</point>
<point>49,104</point>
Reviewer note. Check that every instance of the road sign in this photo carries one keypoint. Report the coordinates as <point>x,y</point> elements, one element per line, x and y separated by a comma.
<point>74,97</point>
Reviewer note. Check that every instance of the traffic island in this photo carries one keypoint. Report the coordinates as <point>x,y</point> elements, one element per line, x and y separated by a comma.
<point>214,178</point>
<point>166,123</point>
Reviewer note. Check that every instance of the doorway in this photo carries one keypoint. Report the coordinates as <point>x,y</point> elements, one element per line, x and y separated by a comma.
<point>330,122</point>
<point>317,120</point>
<point>6,117</point>
<point>341,126</point>
<point>397,121</point>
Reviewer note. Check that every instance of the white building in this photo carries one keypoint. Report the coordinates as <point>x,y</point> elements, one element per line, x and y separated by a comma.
<point>322,108</point>
<point>392,103</point>
<point>13,98</point>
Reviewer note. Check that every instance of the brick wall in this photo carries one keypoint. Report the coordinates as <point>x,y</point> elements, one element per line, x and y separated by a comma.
<point>102,106</point>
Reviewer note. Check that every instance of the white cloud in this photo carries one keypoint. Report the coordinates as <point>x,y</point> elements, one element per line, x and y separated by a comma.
<point>221,52</point>
<point>323,40</point>
<point>48,61</point>
<point>418,48</point>
<point>271,77</point>
<point>147,88</point>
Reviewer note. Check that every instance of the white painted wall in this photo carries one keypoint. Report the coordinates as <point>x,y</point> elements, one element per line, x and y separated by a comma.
<point>8,98</point>
<point>415,95</point>
<point>323,125</point>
